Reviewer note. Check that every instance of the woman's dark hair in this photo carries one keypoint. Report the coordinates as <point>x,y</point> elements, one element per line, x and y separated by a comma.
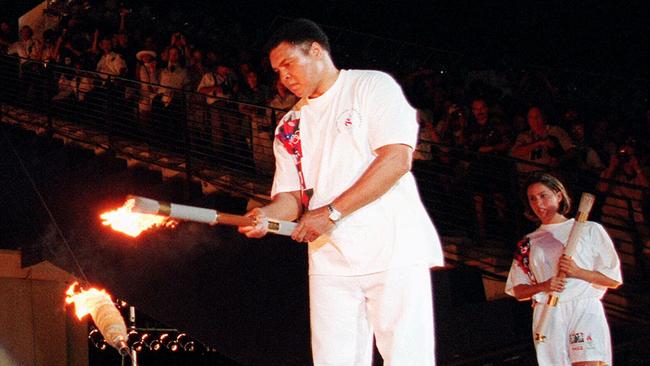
<point>298,32</point>
<point>554,185</point>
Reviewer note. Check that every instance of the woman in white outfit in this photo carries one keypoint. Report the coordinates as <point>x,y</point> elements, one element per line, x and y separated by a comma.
<point>578,333</point>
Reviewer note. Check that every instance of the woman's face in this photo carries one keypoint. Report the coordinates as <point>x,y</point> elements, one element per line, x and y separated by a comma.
<point>544,202</point>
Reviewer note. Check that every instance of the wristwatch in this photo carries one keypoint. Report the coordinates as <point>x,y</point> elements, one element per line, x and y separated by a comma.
<point>335,215</point>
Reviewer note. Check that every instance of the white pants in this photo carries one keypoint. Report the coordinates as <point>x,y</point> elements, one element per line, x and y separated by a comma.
<point>577,332</point>
<point>395,305</point>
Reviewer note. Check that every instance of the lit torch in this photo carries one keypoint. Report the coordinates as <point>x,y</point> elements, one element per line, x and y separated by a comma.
<point>101,308</point>
<point>141,213</point>
<point>132,223</point>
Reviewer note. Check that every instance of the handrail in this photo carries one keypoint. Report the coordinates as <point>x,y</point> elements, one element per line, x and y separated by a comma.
<point>236,137</point>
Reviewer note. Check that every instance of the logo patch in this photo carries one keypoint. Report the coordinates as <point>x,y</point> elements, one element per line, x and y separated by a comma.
<point>576,338</point>
<point>348,121</point>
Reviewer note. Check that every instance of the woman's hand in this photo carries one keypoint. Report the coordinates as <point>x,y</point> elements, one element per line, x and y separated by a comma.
<point>555,284</point>
<point>570,268</point>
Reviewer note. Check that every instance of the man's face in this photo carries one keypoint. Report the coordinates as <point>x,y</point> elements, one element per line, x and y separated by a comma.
<point>25,33</point>
<point>480,111</point>
<point>578,131</point>
<point>251,79</point>
<point>197,56</point>
<point>106,45</point>
<point>147,58</point>
<point>536,120</point>
<point>173,55</point>
<point>298,67</point>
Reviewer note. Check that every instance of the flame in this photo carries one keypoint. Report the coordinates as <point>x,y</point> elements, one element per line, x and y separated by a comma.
<point>84,300</point>
<point>133,223</point>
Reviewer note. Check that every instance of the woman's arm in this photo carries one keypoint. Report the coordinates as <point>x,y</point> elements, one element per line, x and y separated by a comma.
<point>568,266</point>
<point>525,292</point>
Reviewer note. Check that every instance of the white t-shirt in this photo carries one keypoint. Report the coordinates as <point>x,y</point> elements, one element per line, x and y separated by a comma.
<point>595,252</point>
<point>211,79</point>
<point>111,63</point>
<point>30,48</point>
<point>541,155</point>
<point>339,130</point>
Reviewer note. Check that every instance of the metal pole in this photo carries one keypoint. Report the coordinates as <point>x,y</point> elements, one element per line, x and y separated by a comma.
<point>187,140</point>
<point>48,74</point>
<point>134,354</point>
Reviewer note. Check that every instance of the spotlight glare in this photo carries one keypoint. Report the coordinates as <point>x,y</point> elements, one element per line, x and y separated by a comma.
<point>173,346</point>
<point>190,346</point>
<point>143,343</point>
<point>102,345</point>
<point>155,345</point>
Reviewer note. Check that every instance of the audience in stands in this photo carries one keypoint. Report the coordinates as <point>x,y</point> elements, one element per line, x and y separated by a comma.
<point>543,144</point>
<point>202,82</point>
<point>489,141</point>
<point>6,37</point>
<point>148,74</point>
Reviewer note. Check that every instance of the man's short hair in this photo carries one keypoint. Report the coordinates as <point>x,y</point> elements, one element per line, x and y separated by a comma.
<point>297,32</point>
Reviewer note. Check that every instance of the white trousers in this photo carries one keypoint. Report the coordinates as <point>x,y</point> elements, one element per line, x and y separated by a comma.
<point>396,306</point>
<point>577,332</point>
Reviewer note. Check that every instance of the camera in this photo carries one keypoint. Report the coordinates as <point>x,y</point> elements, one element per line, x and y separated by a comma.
<point>624,153</point>
<point>455,115</point>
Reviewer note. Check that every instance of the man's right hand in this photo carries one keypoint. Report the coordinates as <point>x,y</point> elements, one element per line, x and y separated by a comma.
<point>258,230</point>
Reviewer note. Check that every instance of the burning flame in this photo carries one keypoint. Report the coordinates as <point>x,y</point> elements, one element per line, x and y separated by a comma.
<point>84,300</point>
<point>133,223</point>
<point>104,313</point>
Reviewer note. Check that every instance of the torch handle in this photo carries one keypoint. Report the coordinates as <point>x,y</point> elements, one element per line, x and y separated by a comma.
<point>542,324</point>
<point>279,227</point>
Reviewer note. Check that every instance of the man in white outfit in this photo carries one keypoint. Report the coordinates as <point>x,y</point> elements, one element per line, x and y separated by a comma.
<point>343,159</point>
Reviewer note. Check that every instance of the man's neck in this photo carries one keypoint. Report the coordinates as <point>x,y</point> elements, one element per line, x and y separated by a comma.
<point>328,80</point>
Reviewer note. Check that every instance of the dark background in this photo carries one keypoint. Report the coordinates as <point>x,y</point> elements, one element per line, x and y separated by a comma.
<point>248,298</point>
<point>608,37</point>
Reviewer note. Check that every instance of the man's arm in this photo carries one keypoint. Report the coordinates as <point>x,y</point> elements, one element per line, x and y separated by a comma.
<point>522,151</point>
<point>391,163</point>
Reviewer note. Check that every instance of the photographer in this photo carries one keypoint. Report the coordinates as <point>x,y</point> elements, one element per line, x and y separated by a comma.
<point>488,174</point>
<point>179,41</point>
<point>624,187</point>
<point>451,134</point>
<point>624,168</point>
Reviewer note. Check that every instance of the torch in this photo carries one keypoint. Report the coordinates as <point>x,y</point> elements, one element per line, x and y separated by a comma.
<point>140,213</point>
<point>101,308</point>
<point>586,203</point>
<point>204,215</point>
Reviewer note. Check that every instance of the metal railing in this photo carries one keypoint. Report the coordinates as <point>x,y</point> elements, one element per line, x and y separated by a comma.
<point>469,195</point>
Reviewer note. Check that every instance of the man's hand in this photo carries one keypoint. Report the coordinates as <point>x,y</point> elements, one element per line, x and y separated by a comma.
<point>312,225</point>
<point>258,230</point>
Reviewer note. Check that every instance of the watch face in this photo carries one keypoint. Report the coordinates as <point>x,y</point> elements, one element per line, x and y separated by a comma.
<point>334,214</point>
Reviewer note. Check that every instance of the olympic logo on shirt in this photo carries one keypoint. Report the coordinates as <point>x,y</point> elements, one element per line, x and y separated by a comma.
<point>348,121</point>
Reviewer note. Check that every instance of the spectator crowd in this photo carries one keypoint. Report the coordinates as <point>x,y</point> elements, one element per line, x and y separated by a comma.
<point>480,131</point>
